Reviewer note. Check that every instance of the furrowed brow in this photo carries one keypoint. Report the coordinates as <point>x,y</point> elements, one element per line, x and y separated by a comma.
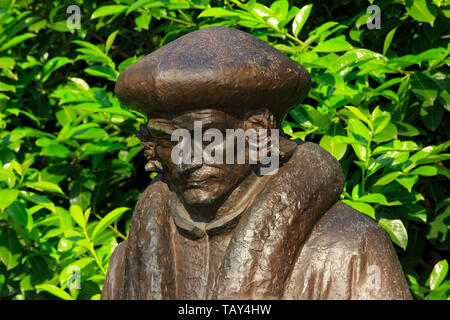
<point>160,127</point>
<point>206,117</point>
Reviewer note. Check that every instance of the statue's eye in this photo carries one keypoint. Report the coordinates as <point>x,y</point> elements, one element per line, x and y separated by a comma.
<point>164,141</point>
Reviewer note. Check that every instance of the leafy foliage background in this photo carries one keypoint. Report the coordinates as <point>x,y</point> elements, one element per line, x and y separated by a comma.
<point>71,169</point>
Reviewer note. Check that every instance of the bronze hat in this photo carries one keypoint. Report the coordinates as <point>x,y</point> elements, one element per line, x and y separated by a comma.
<point>213,68</point>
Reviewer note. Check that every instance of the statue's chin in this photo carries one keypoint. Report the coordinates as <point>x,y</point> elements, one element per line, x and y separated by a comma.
<point>197,197</point>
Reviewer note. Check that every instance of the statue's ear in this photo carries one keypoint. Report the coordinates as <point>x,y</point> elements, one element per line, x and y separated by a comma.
<point>149,143</point>
<point>262,119</point>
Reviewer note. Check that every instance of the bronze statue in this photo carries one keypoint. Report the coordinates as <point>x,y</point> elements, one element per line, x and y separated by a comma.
<point>226,231</point>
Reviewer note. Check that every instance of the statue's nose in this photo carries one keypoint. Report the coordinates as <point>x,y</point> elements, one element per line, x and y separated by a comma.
<point>185,169</point>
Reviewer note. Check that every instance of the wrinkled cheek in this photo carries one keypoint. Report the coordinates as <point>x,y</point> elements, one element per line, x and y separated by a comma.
<point>164,155</point>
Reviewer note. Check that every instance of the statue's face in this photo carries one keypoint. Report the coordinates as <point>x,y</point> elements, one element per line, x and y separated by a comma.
<point>199,184</point>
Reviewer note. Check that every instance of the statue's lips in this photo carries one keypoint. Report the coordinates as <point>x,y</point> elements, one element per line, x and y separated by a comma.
<point>198,182</point>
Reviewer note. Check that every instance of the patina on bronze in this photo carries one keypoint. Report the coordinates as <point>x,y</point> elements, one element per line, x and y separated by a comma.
<point>223,231</point>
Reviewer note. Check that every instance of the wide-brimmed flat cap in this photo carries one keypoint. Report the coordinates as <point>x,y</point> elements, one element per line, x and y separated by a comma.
<point>213,68</point>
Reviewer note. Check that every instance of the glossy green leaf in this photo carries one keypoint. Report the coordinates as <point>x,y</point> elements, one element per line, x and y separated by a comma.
<point>389,94</point>
<point>373,198</point>
<point>20,214</point>
<point>412,211</point>
<point>357,113</point>
<point>362,20</point>
<point>308,116</point>
<point>388,133</point>
<point>56,150</point>
<point>336,149</point>
<point>139,4</point>
<point>429,151</point>
<point>45,186</point>
<point>403,197</point>
<point>332,79</point>
<point>69,271</point>
<point>432,116</point>
<point>10,248</point>
<point>439,230</point>
<point>396,145</point>
<point>293,11</point>
<point>422,10</point>
<point>426,171</point>
<point>434,55</point>
<point>438,274</point>
<point>396,230</point>
<point>405,61</point>
<point>354,57</point>
<point>38,199</point>
<point>408,181</point>
<point>77,215</point>
<point>58,292</point>
<point>359,131</point>
<point>424,88</point>
<point>16,40</point>
<point>52,65</point>
<point>108,10</point>
<point>406,129</point>
<point>388,84</point>
<point>365,208</point>
<point>102,71</point>
<point>218,12</point>
<point>300,19</point>
<point>143,21</point>
<point>7,197</point>
<point>110,218</point>
<point>7,63</point>
<point>280,8</point>
<point>388,40</point>
<point>333,45</point>
<point>381,123</point>
<point>261,12</point>
<point>110,40</point>
<point>387,178</point>
<point>440,293</point>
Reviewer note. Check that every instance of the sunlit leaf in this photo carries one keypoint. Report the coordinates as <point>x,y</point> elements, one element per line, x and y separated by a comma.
<point>77,215</point>
<point>110,218</point>
<point>7,197</point>
<point>108,10</point>
<point>300,19</point>
<point>438,274</point>
<point>50,288</point>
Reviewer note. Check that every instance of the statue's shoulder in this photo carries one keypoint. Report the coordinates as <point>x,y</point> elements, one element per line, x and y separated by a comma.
<point>309,156</point>
<point>347,256</point>
<point>152,204</point>
<point>315,170</point>
<point>155,194</point>
<point>343,227</point>
<point>309,175</point>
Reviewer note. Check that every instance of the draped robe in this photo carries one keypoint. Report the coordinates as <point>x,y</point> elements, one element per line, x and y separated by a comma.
<point>290,239</point>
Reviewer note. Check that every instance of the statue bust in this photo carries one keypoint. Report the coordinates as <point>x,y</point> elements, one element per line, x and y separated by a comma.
<point>236,229</point>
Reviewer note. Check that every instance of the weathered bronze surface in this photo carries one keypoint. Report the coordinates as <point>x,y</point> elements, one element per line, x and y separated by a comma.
<point>222,231</point>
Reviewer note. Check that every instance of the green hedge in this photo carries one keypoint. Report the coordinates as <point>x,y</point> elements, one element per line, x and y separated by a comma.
<point>72,170</point>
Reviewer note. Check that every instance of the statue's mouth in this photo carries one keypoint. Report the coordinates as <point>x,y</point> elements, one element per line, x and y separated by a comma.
<point>197,182</point>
